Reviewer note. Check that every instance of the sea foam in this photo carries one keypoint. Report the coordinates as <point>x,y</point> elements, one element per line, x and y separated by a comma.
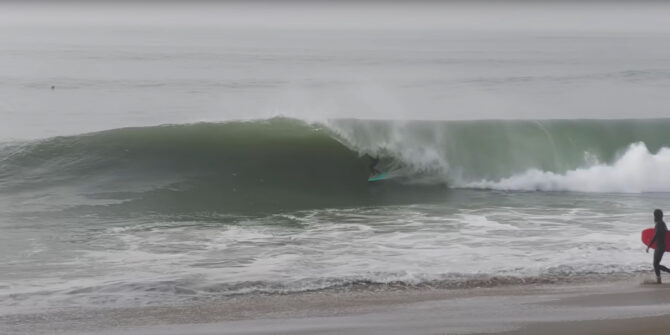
<point>637,170</point>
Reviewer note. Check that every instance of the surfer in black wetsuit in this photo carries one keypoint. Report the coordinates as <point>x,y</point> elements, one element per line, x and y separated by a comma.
<point>659,238</point>
<point>373,166</point>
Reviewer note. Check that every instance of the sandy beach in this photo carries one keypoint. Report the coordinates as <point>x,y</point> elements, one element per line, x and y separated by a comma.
<point>632,306</point>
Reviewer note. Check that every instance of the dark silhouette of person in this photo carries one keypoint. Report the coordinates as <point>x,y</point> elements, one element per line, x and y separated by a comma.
<point>373,166</point>
<point>659,238</point>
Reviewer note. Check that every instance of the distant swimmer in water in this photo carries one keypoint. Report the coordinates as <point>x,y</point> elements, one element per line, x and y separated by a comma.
<point>659,238</point>
<point>373,166</point>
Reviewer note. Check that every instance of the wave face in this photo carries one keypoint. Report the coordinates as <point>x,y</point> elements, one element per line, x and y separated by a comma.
<point>555,155</point>
<point>254,165</point>
<point>282,162</point>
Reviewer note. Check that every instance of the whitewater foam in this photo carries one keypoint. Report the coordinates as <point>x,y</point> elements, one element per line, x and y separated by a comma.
<point>442,245</point>
<point>637,170</point>
<point>515,155</point>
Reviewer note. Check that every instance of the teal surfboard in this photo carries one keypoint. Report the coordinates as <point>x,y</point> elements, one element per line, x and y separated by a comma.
<point>377,177</point>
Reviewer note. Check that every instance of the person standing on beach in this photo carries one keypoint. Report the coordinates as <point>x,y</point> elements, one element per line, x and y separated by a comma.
<point>659,237</point>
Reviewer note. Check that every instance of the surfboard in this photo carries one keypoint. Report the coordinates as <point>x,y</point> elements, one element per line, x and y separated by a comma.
<point>648,234</point>
<point>377,177</point>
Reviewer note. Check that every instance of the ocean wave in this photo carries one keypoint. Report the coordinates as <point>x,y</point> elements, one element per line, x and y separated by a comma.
<point>636,171</point>
<point>289,163</point>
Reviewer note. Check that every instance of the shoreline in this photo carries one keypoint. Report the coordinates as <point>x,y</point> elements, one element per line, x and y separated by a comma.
<point>620,307</point>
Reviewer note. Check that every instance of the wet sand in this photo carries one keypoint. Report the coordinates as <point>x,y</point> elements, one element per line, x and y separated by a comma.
<point>635,326</point>
<point>628,307</point>
<point>646,297</point>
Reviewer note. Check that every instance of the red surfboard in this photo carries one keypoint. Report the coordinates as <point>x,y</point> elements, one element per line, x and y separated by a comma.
<point>648,234</point>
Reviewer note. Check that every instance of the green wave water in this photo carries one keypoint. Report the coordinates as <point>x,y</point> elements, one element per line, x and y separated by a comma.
<point>492,149</point>
<point>288,163</point>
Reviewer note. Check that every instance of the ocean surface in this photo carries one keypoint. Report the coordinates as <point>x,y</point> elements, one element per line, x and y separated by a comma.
<point>185,213</point>
<point>179,166</point>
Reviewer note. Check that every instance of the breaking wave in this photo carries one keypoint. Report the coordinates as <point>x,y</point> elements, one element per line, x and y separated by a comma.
<point>636,171</point>
<point>289,163</point>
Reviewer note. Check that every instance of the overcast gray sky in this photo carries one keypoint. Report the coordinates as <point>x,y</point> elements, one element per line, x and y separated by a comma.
<point>133,64</point>
<point>620,16</point>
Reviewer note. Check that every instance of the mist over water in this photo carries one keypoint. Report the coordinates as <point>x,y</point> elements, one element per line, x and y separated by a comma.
<point>116,65</point>
<point>194,152</point>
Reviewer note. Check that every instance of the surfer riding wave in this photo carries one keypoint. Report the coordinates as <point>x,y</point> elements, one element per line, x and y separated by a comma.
<point>373,166</point>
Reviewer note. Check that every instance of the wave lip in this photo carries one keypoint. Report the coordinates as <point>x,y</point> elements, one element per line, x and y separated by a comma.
<point>636,171</point>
